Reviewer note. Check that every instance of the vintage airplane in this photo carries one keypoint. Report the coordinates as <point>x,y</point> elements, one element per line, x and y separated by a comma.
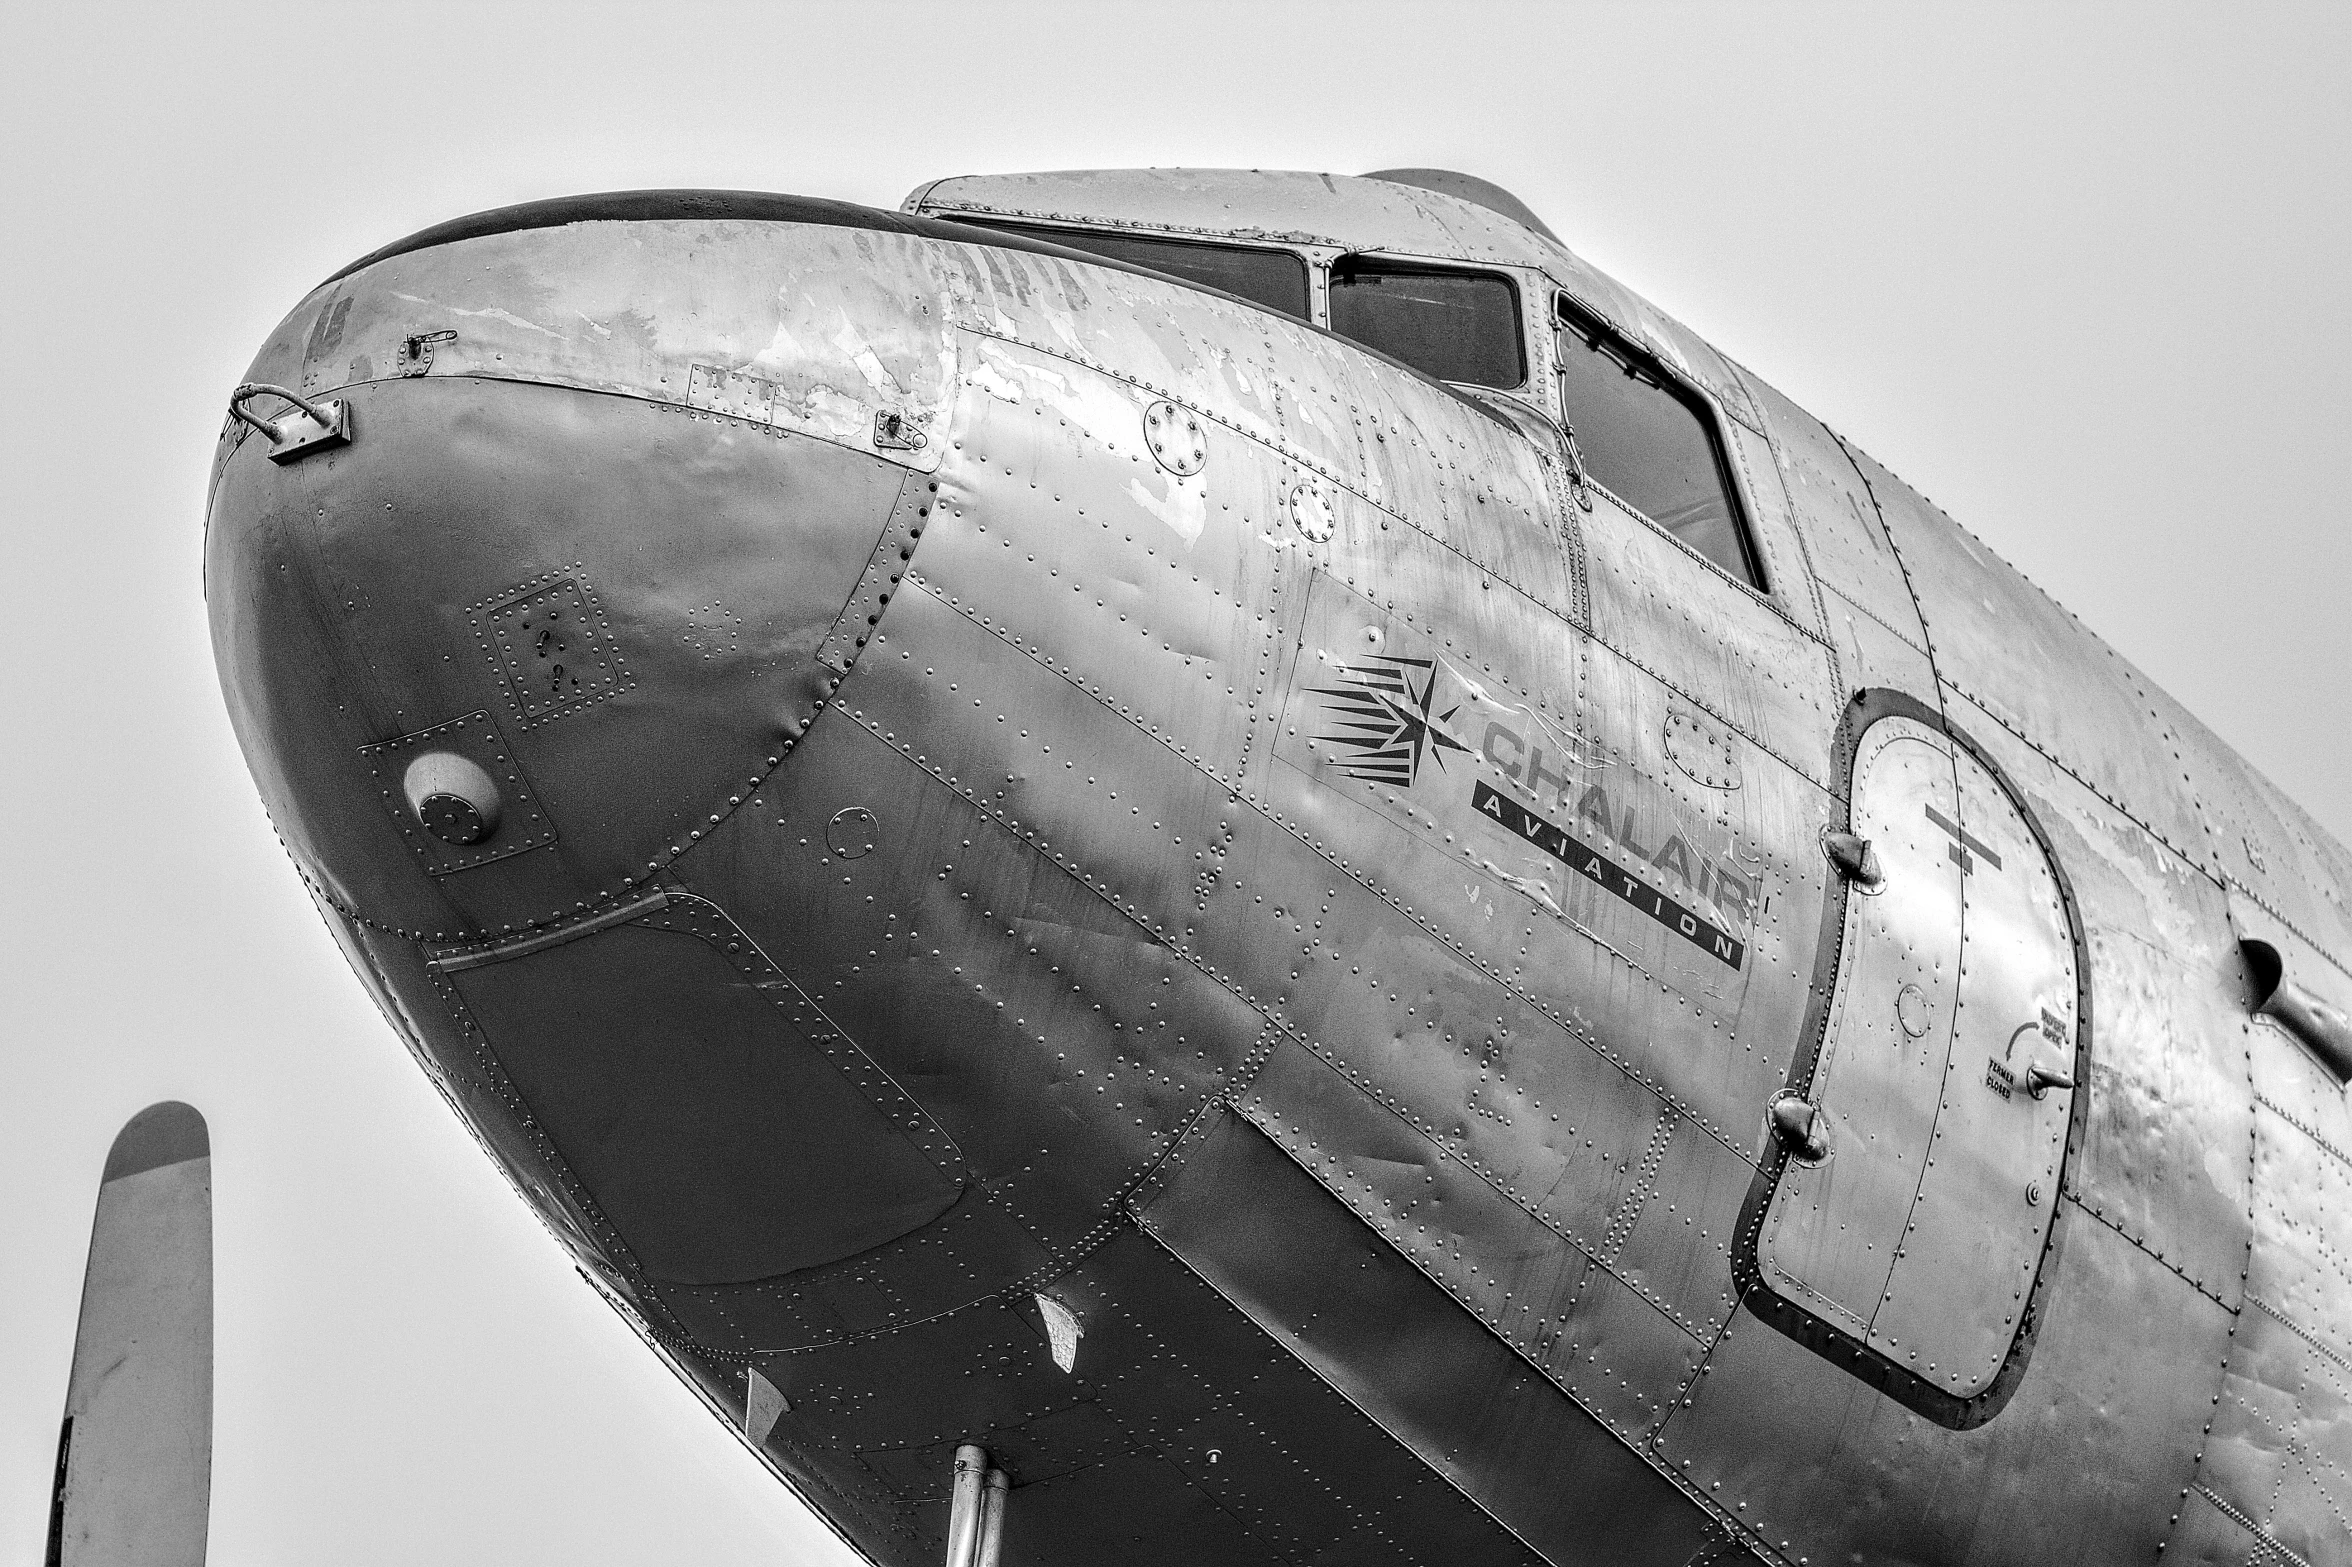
<point>1199,866</point>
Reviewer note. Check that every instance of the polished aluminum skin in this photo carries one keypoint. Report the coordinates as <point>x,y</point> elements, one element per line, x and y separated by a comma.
<point>1017,854</point>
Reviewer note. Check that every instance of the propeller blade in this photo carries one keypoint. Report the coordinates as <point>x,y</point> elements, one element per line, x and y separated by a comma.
<point>134,1460</point>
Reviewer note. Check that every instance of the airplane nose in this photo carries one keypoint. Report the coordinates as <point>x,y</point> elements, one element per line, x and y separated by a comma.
<point>561,600</point>
<point>615,493</point>
<point>518,646</point>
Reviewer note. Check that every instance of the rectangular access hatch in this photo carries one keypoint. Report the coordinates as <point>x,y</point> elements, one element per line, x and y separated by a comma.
<point>1904,1234</point>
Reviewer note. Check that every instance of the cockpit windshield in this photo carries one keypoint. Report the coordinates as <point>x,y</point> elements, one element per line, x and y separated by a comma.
<point>1650,441</point>
<point>1276,279</point>
<point>1450,323</point>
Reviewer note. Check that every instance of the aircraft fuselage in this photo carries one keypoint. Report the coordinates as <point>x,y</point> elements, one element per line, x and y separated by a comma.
<point>1016,850</point>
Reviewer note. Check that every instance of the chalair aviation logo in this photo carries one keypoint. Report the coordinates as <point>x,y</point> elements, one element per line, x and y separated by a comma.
<point>1380,723</point>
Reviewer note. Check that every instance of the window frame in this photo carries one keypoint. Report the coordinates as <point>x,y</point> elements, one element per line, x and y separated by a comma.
<point>1403,263</point>
<point>1570,314</point>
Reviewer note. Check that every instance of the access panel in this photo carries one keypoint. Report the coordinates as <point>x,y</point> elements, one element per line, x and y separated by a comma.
<point>1909,1199</point>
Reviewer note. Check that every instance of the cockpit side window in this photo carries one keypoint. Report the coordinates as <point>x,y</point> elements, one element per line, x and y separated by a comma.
<point>1651,441</point>
<point>1447,322</point>
<point>1276,279</point>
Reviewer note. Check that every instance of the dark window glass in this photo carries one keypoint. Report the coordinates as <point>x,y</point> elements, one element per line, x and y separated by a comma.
<point>1456,326</point>
<point>1650,442</point>
<point>1275,279</point>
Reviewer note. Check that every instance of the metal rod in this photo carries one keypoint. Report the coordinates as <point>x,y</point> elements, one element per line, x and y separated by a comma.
<point>963,1507</point>
<point>992,1511</point>
<point>270,427</point>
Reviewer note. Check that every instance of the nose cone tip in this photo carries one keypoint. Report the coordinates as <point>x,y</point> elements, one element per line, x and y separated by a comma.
<point>555,620</point>
<point>511,650</point>
<point>559,600</point>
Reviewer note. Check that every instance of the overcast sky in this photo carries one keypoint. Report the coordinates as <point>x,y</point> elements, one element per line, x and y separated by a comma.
<point>2077,272</point>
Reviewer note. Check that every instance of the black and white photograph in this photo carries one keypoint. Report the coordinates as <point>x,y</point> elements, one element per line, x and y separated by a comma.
<point>1302,784</point>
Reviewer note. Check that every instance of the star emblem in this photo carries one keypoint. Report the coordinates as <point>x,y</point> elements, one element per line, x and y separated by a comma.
<point>1382,723</point>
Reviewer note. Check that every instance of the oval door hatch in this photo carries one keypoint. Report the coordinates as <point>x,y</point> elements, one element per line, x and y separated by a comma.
<point>1906,1241</point>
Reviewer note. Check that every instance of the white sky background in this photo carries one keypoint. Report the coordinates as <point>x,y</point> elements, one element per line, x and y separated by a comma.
<point>2077,272</point>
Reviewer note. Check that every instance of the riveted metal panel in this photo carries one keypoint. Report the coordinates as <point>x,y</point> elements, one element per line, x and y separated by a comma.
<point>2211,1532</point>
<point>1870,614</point>
<point>1672,1246</point>
<point>1237,1414</point>
<point>550,639</point>
<point>2167,1144</point>
<point>1832,508</point>
<point>475,737</point>
<point>1156,605</point>
<point>1783,550</point>
<point>2282,867</point>
<point>1514,1023</point>
<point>2280,1452</point>
<point>1568,1297</point>
<point>1274,1257</point>
<point>975,1250</point>
<point>666,1093</point>
<point>1519,1276</point>
<point>1822,1468</point>
<point>1002,959</point>
<point>1752,859</point>
<point>1874,650</point>
<point>1044,1446</point>
<point>1374,447</point>
<point>2278,1457</point>
<point>1433,733</point>
<point>857,1455</point>
<point>2003,644</point>
<point>1547,1120</point>
<point>346,594</point>
<point>1714,643</point>
<point>985,571</point>
<point>1121,1510</point>
<point>686,312</point>
<point>1571,885</point>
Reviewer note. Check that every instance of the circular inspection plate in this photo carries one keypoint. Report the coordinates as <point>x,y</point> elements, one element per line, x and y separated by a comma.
<point>853,832</point>
<point>1311,514</point>
<point>1911,1010</point>
<point>1175,438</point>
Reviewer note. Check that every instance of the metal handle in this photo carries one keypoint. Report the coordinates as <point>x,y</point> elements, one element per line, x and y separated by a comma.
<point>1796,1126</point>
<point>269,427</point>
<point>1854,858</point>
<point>2040,1079</point>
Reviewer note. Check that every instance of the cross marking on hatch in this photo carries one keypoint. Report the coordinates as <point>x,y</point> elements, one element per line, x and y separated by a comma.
<point>1962,842</point>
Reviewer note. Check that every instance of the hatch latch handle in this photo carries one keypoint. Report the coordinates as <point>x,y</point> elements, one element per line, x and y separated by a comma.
<point>1796,1126</point>
<point>1854,858</point>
